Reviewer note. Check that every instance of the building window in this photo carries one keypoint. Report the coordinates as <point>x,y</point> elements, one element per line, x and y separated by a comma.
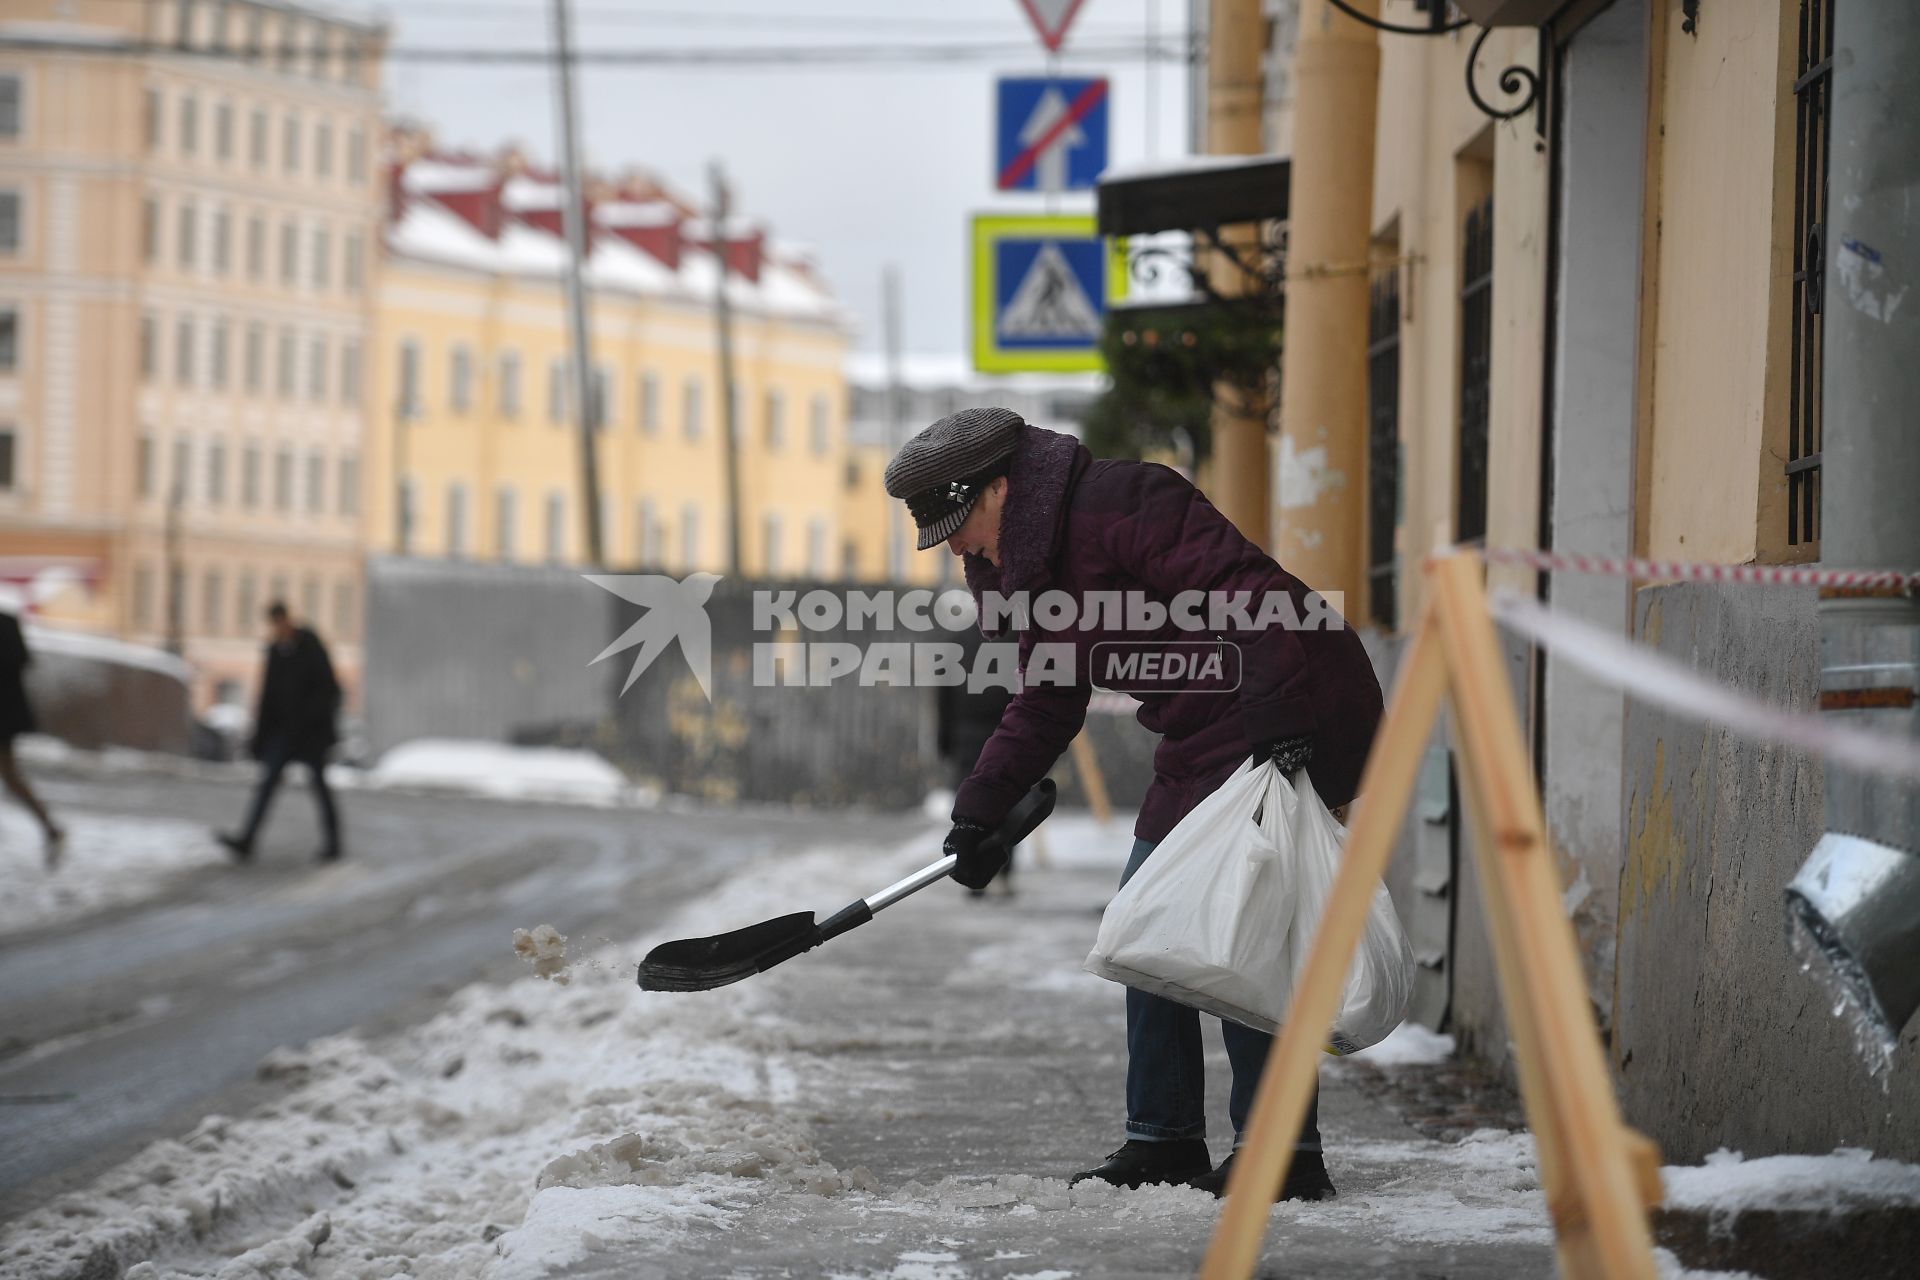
<point>819,428</point>
<point>256,356</point>
<point>556,528</point>
<point>310,599</point>
<point>349,496</point>
<point>650,404</point>
<point>217,355</point>
<point>350,61</point>
<point>10,91</point>
<point>256,246</point>
<point>316,482</point>
<point>143,466</point>
<point>143,597</point>
<point>771,535</point>
<point>216,472</point>
<point>817,548</point>
<point>289,253</point>
<point>776,421</point>
<point>1812,113</point>
<point>183,351</point>
<point>289,370</point>
<point>323,150</point>
<point>1383,445</point>
<point>223,132</point>
<point>322,54</point>
<point>9,222</point>
<point>503,518</point>
<point>354,268</point>
<point>322,257</point>
<point>357,157</point>
<point>557,391</point>
<point>646,550</point>
<point>343,608</point>
<point>8,448</point>
<point>212,590</point>
<point>222,241</point>
<point>257,137</point>
<point>317,370</point>
<point>149,348</point>
<point>9,339</point>
<point>246,596</point>
<point>150,119</point>
<point>150,231</point>
<point>1476,356</point>
<point>602,398</point>
<point>691,408</point>
<point>350,372</point>
<point>250,477</point>
<point>690,536</point>
<point>456,520</point>
<point>182,487</point>
<point>290,144</point>
<point>509,385</point>
<point>187,233</point>
<point>403,500</point>
<point>460,379</point>
<point>283,479</point>
<point>409,406</point>
<point>189,124</point>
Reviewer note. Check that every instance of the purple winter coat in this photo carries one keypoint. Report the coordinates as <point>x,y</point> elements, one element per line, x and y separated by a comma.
<point>1076,524</point>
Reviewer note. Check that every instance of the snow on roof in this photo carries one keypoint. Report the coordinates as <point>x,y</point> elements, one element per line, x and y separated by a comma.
<point>1181,164</point>
<point>425,177</point>
<point>522,193</point>
<point>436,234</point>
<point>953,371</point>
<point>636,213</point>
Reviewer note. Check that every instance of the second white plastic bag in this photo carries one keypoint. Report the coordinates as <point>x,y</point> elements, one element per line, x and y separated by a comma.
<point>1220,916</point>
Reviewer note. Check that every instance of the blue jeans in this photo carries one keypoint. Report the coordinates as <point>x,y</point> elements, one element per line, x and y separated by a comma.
<point>277,755</point>
<point>1166,1089</point>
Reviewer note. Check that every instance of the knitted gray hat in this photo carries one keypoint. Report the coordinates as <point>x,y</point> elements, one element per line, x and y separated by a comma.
<point>941,471</point>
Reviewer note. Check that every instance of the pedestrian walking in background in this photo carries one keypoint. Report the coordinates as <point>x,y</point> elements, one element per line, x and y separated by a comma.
<point>16,718</point>
<point>295,723</point>
<point>1032,511</point>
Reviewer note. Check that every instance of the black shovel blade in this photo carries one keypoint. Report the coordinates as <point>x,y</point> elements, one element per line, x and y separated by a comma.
<point>700,964</point>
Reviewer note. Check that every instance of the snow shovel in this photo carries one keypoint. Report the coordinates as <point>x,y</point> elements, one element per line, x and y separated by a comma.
<point>700,964</point>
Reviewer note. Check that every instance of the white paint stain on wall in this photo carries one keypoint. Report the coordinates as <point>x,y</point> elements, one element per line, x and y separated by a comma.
<point>1863,276</point>
<point>1305,476</point>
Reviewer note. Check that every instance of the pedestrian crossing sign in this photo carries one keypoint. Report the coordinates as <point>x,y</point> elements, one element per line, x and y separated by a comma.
<point>1041,288</point>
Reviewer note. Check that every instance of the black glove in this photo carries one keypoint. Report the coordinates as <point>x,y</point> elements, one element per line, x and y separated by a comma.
<point>1291,754</point>
<point>978,861</point>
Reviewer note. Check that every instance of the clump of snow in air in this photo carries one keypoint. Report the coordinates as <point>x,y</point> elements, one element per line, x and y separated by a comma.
<point>108,861</point>
<point>502,771</point>
<point>1409,1045</point>
<point>545,948</point>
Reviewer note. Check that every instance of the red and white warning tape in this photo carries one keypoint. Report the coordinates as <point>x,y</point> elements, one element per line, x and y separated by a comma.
<point>1768,575</point>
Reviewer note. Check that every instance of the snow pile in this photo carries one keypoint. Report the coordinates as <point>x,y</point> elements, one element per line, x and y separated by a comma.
<point>1850,1179</point>
<point>108,861</point>
<point>1409,1045</point>
<point>502,772</point>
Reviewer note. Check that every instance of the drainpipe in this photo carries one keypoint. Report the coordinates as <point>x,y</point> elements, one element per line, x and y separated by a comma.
<point>1859,893</point>
<point>1323,384</point>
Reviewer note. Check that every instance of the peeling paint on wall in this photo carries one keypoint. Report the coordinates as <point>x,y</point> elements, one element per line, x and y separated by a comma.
<point>1863,275</point>
<point>1305,476</point>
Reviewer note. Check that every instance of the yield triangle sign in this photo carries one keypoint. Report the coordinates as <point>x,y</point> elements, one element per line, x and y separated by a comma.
<point>1050,302</point>
<point>1051,18</point>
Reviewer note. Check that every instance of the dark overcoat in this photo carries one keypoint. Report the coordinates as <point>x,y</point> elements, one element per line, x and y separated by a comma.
<point>299,699</point>
<point>1079,525</point>
<point>16,714</point>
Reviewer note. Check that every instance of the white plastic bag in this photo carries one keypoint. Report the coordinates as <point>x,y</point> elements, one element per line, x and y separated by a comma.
<point>1221,916</point>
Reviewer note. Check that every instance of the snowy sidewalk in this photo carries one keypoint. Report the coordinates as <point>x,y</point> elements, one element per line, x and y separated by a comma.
<point>905,1103</point>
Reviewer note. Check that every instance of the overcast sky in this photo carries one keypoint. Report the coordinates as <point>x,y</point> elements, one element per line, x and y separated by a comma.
<point>865,164</point>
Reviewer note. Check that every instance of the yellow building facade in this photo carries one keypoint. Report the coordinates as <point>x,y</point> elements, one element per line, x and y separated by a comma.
<point>476,450</point>
<point>188,229</point>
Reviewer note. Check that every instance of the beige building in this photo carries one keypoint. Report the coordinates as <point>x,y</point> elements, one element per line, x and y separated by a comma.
<point>188,235</point>
<point>476,451</point>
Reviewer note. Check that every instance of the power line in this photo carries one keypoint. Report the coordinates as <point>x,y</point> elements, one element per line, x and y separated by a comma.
<point>766,56</point>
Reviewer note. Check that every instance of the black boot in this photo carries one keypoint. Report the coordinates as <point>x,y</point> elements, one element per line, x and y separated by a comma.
<point>1306,1178</point>
<point>239,846</point>
<point>1139,1164</point>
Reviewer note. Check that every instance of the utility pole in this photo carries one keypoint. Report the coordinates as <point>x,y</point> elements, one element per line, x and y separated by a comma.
<point>176,571</point>
<point>573,216</point>
<point>896,406</point>
<point>723,320</point>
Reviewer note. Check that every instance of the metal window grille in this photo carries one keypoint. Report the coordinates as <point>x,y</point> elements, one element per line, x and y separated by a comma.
<point>1476,350</point>
<point>1383,444</point>
<point>1813,97</point>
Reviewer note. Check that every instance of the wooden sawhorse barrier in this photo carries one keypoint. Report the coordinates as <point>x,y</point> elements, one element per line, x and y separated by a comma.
<point>1599,1176</point>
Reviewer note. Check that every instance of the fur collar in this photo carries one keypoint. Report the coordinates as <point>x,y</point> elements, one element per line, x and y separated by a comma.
<point>1037,483</point>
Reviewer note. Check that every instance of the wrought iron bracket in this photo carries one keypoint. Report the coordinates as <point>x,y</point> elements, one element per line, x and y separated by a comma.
<point>1521,83</point>
<point>1260,269</point>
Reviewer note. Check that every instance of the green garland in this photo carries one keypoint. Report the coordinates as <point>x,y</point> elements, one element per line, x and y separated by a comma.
<point>1166,364</point>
